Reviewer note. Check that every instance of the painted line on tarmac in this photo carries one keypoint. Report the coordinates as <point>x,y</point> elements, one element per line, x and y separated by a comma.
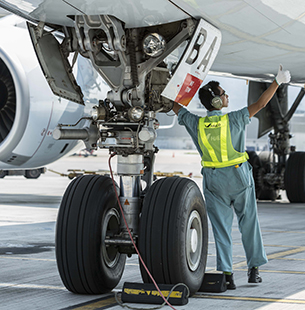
<point>284,231</point>
<point>285,253</point>
<point>280,246</point>
<point>32,286</point>
<point>45,259</point>
<point>271,245</point>
<point>27,258</point>
<point>276,271</point>
<point>260,299</point>
<point>274,256</point>
<point>296,259</point>
<point>278,231</point>
<point>102,303</point>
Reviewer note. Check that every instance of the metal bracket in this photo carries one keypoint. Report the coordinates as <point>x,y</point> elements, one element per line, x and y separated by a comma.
<point>111,66</point>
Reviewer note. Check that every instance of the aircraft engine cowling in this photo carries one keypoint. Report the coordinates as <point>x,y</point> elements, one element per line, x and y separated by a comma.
<point>14,103</point>
<point>29,111</point>
<point>7,101</point>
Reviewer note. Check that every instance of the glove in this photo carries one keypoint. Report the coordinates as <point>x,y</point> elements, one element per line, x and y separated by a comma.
<point>282,76</point>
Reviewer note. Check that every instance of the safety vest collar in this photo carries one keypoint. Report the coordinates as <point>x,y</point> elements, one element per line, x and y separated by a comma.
<point>214,113</point>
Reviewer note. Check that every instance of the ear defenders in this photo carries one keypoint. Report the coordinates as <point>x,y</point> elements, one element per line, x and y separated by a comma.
<point>216,101</point>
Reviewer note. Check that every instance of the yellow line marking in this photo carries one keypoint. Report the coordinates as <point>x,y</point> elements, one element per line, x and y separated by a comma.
<point>297,259</point>
<point>288,252</point>
<point>274,256</point>
<point>32,286</point>
<point>278,231</point>
<point>276,271</point>
<point>280,246</point>
<point>272,245</point>
<point>284,231</point>
<point>27,258</point>
<point>97,305</point>
<point>270,271</point>
<point>276,300</point>
<point>44,259</point>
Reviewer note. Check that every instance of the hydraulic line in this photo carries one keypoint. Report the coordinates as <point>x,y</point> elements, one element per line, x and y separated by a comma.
<point>118,199</point>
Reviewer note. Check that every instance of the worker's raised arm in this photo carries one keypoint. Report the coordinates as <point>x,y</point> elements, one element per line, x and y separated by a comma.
<point>282,77</point>
<point>176,107</point>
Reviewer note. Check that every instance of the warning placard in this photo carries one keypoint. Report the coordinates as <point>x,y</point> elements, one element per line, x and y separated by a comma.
<point>195,64</point>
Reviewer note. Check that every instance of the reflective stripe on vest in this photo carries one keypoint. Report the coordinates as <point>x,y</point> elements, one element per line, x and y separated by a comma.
<point>214,137</point>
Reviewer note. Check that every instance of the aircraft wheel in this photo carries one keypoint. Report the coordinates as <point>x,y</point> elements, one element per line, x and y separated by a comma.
<point>2,174</point>
<point>173,237</point>
<point>257,170</point>
<point>88,213</point>
<point>32,174</point>
<point>295,177</point>
<point>269,194</point>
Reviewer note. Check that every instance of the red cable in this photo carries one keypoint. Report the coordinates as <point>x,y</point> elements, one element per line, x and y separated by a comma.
<point>117,196</point>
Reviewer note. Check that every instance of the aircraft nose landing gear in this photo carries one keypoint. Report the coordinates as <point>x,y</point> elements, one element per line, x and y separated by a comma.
<point>167,219</point>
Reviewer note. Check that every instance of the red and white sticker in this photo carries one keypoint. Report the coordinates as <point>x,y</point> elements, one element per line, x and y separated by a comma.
<point>195,64</point>
<point>188,89</point>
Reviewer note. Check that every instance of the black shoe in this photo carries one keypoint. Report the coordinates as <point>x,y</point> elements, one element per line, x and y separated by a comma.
<point>230,282</point>
<point>253,275</point>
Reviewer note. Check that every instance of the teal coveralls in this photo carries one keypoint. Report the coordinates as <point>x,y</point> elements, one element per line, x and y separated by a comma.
<point>228,188</point>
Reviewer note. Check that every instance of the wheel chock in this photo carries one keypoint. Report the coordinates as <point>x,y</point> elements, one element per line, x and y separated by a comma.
<point>146,293</point>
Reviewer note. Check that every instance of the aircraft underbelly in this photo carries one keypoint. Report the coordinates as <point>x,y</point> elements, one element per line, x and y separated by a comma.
<point>133,13</point>
<point>256,35</point>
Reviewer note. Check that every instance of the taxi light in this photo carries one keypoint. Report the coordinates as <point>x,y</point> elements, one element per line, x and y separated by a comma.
<point>136,114</point>
<point>154,45</point>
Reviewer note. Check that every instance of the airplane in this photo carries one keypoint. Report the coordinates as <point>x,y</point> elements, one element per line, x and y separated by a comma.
<point>151,54</point>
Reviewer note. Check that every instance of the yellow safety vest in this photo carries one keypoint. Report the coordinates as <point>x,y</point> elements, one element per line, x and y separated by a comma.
<point>214,137</point>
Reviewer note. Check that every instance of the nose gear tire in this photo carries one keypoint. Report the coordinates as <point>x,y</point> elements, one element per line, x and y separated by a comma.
<point>173,238</point>
<point>88,213</point>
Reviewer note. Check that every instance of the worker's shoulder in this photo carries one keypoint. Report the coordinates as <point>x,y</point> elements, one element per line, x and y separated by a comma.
<point>187,118</point>
<point>184,113</point>
<point>240,116</point>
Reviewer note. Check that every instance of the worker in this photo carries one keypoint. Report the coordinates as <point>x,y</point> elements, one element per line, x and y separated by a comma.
<point>227,176</point>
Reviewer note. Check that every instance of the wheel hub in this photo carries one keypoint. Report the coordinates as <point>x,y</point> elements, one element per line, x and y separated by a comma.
<point>194,239</point>
<point>111,224</point>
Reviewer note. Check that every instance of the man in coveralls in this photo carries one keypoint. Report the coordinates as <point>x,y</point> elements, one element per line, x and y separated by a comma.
<point>227,175</point>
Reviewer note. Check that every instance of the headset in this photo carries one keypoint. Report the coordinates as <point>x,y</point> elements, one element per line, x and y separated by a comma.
<point>216,101</point>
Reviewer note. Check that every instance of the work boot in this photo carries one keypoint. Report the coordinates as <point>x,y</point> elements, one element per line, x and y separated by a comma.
<point>253,275</point>
<point>230,282</point>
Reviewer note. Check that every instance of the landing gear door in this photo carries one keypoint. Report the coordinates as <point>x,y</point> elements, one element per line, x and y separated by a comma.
<point>55,65</point>
<point>194,64</point>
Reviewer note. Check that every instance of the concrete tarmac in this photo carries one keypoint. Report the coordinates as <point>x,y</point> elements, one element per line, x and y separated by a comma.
<point>29,278</point>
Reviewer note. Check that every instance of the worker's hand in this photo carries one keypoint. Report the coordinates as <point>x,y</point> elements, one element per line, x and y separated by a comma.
<point>282,76</point>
